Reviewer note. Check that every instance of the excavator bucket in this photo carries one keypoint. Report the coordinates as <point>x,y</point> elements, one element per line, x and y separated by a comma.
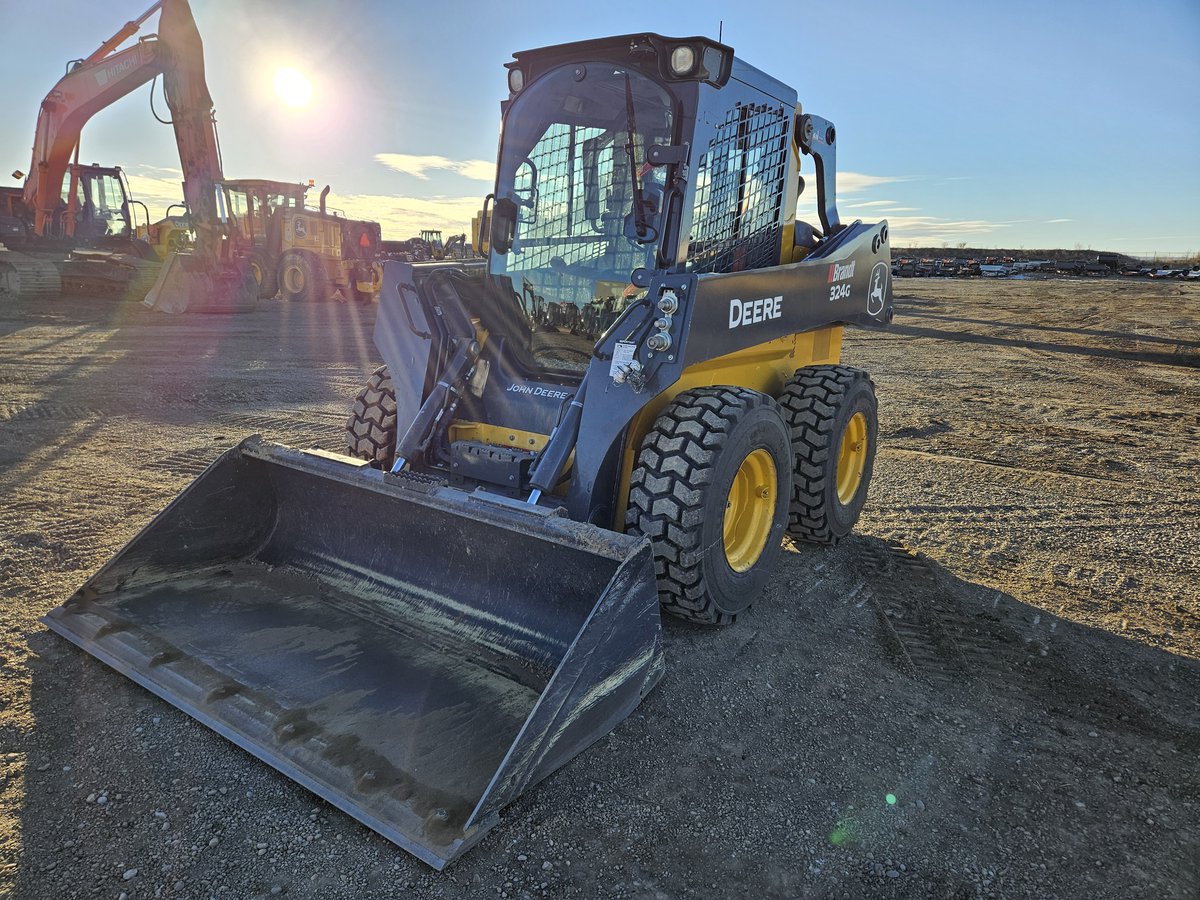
<point>416,655</point>
<point>188,282</point>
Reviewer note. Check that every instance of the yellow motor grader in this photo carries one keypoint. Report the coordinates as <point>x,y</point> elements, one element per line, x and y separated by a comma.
<point>304,253</point>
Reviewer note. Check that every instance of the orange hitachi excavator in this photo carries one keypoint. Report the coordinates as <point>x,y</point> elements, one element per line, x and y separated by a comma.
<point>96,208</point>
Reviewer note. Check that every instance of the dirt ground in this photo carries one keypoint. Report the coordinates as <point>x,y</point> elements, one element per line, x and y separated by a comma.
<point>993,689</point>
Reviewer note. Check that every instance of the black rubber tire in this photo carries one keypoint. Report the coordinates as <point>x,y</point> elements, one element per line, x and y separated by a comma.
<point>371,428</point>
<point>818,403</point>
<point>313,283</point>
<point>265,273</point>
<point>678,491</point>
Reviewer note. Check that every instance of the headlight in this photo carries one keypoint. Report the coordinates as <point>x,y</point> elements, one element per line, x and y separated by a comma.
<point>683,60</point>
<point>516,80</point>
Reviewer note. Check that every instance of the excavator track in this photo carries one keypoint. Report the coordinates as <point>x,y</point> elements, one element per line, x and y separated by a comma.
<point>24,277</point>
<point>119,277</point>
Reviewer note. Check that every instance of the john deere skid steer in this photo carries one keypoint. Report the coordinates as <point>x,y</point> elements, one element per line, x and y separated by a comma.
<point>422,629</point>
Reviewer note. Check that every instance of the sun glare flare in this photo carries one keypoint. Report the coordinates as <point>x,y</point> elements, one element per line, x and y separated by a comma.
<point>293,87</point>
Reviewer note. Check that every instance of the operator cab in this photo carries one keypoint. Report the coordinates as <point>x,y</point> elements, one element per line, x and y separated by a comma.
<point>94,206</point>
<point>626,165</point>
<point>610,150</point>
<point>256,204</point>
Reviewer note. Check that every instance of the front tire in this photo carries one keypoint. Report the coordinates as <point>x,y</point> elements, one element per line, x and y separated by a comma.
<point>710,490</point>
<point>371,428</point>
<point>266,276</point>
<point>832,414</point>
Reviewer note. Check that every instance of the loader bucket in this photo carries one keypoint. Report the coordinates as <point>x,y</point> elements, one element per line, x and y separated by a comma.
<point>189,282</point>
<point>417,657</point>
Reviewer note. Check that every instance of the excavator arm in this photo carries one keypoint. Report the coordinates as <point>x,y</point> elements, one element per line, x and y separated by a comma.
<point>79,95</point>
<point>182,55</point>
<point>107,75</point>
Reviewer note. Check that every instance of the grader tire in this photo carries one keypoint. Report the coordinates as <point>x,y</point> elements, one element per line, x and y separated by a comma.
<point>303,278</point>
<point>266,275</point>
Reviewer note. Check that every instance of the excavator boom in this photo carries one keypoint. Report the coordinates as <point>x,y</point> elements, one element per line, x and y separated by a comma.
<point>210,276</point>
<point>177,54</point>
<point>78,96</point>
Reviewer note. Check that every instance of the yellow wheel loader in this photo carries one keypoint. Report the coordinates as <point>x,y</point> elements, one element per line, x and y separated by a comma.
<point>303,253</point>
<point>423,629</point>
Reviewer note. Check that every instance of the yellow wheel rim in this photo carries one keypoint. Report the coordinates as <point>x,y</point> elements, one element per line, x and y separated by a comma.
<point>750,510</point>
<point>293,278</point>
<point>852,458</point>
<point>257,272</point>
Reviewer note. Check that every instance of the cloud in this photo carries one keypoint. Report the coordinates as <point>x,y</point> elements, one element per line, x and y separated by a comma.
<point>924,230</point>
<point>883,207</point>
<point>402,217</point>
<point>1058,221</point>
<point>853,182</point>
<point>910,230</point>
<point>156,186</point>
<point>419,166</point>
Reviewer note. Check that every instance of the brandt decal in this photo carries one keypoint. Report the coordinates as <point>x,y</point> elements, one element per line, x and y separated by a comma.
<point>839,275</point>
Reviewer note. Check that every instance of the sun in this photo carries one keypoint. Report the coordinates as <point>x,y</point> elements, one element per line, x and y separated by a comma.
<point>293,87</point>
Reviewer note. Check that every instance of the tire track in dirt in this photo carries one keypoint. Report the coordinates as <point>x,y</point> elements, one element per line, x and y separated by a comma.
<point>288,429</point>
<point>1048,472</point>
<point>1184,356</point>
<point>917,624</point>
<point>1028,517</point>
<point>46,410</point>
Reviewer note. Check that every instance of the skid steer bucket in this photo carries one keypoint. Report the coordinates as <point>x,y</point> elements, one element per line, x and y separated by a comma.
<point>417,657</point>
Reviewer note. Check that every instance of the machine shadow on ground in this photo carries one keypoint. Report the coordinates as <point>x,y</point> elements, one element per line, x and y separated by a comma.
<point>178,371</point>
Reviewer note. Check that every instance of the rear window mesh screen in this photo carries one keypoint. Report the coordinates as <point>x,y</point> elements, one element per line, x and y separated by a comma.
<point>736,219</point>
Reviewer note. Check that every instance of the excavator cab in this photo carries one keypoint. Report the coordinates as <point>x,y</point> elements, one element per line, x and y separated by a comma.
<point>96,205</point>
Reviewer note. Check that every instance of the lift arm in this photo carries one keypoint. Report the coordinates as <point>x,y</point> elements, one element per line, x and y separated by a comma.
<point>817,137</point>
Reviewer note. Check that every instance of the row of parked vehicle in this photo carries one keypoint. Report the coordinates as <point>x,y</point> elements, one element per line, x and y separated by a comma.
<point>1005,267</point>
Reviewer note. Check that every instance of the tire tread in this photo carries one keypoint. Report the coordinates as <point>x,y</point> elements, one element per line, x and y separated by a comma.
<point>371,427</point>
<point>668,490</point>
<point>810,403</point>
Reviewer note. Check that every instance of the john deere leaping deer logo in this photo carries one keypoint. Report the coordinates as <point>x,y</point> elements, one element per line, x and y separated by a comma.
<point>301,228</point>
<point>879,277</point>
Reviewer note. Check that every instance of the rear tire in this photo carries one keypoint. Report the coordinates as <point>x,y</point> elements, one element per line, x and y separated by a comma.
<point>832,414</point>
<point>302,277</point>
<point>710,490</point>
<point>371,428</point>
<point>265,274</point>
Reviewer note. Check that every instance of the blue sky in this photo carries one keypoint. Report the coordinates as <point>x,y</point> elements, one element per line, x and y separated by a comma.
<point>1034,124</point>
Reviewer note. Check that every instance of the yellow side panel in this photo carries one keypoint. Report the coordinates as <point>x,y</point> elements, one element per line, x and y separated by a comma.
<point>497,436</point>
<point>763,367</point>
<point>788,251</point>
<point>506,437</point>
